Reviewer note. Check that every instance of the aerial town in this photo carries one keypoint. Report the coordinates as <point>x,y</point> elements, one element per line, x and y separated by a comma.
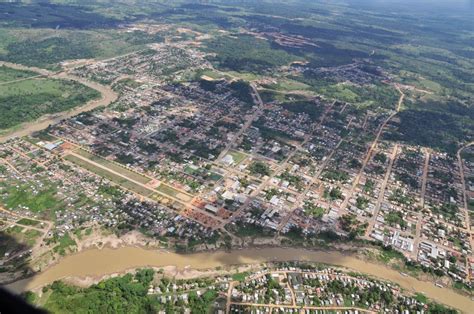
<point>207,159</point>
<point>192,157</point>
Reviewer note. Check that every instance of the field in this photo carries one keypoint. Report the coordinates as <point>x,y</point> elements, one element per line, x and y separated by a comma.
<point>30,99</point>
<point>168,190</point>
<point>127,184</point>
<point>237,156</point>
<point>28,222</point>
<point>113,166</point>
<point>8,74</point>
<point>64,243</point>
<point>37,200</point>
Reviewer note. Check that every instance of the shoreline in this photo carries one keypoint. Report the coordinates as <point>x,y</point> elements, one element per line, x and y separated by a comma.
<point>108,96</point>
<point>110,262</point>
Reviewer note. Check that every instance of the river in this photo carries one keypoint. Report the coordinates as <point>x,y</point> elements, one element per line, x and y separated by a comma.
<point>108,96</point>
<point>97,263</point>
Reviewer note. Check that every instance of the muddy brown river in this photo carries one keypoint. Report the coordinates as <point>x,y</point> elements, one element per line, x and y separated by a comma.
<point>96,263</point>
<point>108,96</point>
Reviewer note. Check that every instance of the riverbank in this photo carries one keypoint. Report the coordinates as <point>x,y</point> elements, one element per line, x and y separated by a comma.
<point>96,264</point>
<point>108,96</point>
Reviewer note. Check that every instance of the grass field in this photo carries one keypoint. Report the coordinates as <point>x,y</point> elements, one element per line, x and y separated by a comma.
<point>30,99</point>
<point>240,276</point>
<point>288,85</point>
<point>65,242</point>
<point>36,200</point>
<point>28,222</point>
<point>127,184</point>
<point>8,74</point>
<point>113,166</point>
<point>170,191</point>
<point>238,156</point>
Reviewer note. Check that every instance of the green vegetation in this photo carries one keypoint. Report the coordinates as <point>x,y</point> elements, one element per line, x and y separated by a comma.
<point>47,48</point>
<point>259,168</point>
<point>369,186</point>
<point>242,91</point>
<point>8,74</point>
<point>22,236</point>
<point>240,276</point>
<point>37,199</point>
<point>294,180</point>
<point>395,218</point>
<point>352,226</point>
<point>368,95</point>
<point>247,53</point>
<point>333,194</point>
<point>336,175</point>
<point>448,210</point>
<point>387,254</point>
<point>301,106</point>
<point>433,129</point>
<point>30,99</point>
<point>313,210</point>
<point>250,230</point>
<point>237,156</point>
<point>398,196</point>
<point>124,294</point>
<point>168,190</point>
<point>110,190</point>
<point>380,157</point>
<point>65,243</point>
<point>114,167</point>
<point>28,222</point>
<point>121,181</point>
<point>362,202</point>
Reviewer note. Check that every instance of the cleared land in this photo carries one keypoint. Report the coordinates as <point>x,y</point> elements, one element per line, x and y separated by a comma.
<point>8,74</point>
<point>113,166</point>
<point>110,176</point>
<point>28,100</point>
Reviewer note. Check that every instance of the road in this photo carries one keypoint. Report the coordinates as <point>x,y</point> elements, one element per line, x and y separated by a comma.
<point>465,201</point>
<point>35,249</point>
<point>425,178</point>
<point>372,148</point>
<point>247,123</point>
<point>146,186</point>
<point>314,178</point>
<point>293,304</point>
<point>382,191</point>
<point>281,166</point>
<point>304,308</point>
